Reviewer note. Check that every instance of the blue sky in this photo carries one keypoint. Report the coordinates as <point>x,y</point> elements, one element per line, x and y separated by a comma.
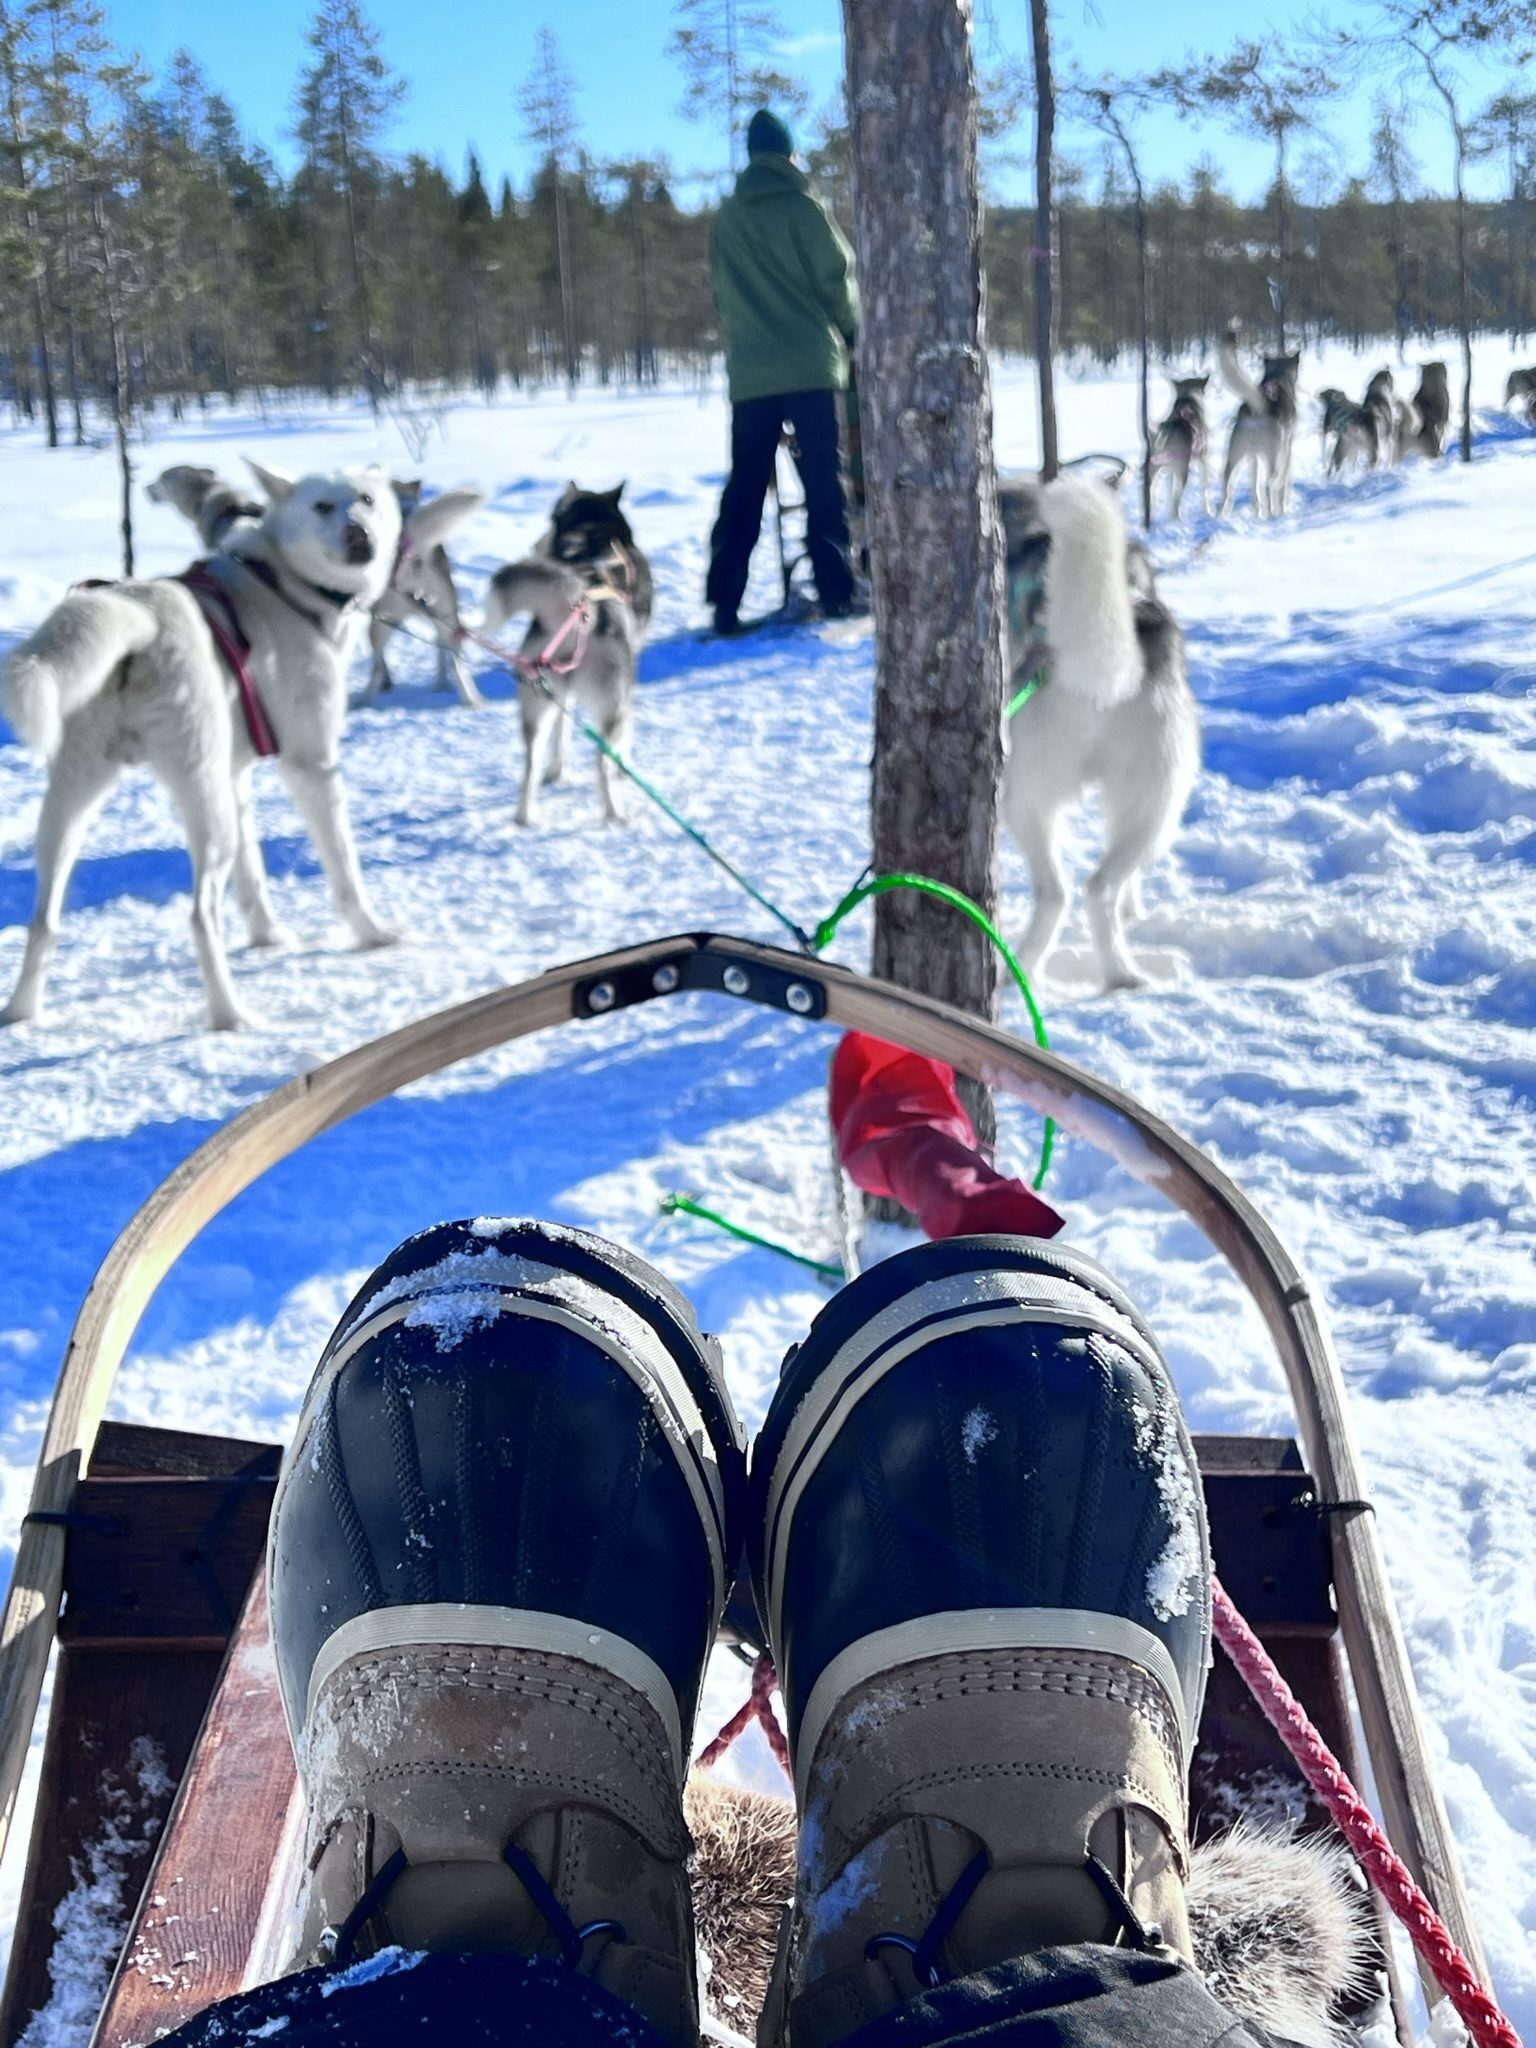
<point>463,66</point>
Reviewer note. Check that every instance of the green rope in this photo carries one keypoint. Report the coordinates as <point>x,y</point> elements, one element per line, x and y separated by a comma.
<point>1022,696</point>
<point>862,890</point>
<point>878,885</point>
<point>684,1205</point>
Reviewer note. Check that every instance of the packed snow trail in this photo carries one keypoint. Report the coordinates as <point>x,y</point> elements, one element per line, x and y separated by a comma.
<point>1342,1008</point>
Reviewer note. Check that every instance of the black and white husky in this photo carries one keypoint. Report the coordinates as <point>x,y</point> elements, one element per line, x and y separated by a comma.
<point>590,533</point>
<point>132,672</point>
<point>1182,441</point>
<point>589,632</point>
<point>1114,711</point>
<point>1265,428</point>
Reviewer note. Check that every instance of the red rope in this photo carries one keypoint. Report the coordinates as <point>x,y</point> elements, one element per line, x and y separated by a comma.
<point>1323,1772</point>
<point>757,1706</point>
<point>1380,1861</point>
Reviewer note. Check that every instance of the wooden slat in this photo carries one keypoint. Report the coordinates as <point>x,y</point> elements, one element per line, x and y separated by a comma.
<point>1101,1115</point>
<point>104,1703</point>
<point>163,1559</point>
<point>126,1450</point>
<point>212,1876</point>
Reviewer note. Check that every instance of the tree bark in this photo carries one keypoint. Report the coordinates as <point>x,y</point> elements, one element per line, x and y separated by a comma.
<point>934,535</point>
<point>1047,250</point>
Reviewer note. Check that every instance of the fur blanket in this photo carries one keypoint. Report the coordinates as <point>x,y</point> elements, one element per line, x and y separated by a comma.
<point>1279,1921</point>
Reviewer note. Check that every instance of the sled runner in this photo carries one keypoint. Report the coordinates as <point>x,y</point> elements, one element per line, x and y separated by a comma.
<point>165,1705</point>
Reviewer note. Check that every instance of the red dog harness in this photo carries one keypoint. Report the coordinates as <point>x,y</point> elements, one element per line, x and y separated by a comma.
<point>217,607</point>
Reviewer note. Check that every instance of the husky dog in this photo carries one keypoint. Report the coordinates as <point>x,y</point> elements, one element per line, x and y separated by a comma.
<point>1432,403</point>
<point>592,666</point>
<point>422,588</point>
<point>204,497</point>
<point>1350,431</point>
<point>1182,440</point>
<point>1115,711</point>
<point>1380,404</point>
<point>588,531</point>
<point>1520,391</point>
<point>133,672</point>
<point>1264,429</point>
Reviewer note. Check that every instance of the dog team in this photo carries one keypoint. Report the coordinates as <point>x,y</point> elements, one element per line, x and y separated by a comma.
<point>197,676</point>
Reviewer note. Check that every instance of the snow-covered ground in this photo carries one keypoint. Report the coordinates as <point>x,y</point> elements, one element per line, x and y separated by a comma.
<point>1341,1013</point>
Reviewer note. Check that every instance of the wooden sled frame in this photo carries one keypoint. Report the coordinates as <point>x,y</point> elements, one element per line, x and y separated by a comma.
<point>1101,1115</point>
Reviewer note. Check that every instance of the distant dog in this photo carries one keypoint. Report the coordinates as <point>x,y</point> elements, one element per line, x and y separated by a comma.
<point>1520,394</point>
<point>590,534</point>
<point>1432,403</point>
<point>146,672</point>
<point>421,590</point>
<point>1265,427</point>
<point>1181,441</point>
<point>204,497</point>
<point>1349,432</point>
<point>590,631</point>
<point>1380,402</point>
<point>1114,710</point>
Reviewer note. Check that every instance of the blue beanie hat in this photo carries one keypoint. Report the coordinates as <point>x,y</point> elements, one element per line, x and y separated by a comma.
<point>767,135</point>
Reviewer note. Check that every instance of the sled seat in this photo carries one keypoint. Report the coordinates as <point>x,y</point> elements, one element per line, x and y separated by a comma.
<point>166,1695</point>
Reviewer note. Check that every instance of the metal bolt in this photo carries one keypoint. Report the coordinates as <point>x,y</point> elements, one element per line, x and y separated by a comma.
<point>600,996</point>
<point>799,998</point>
<point>736,981</point>
<point>665,979</point>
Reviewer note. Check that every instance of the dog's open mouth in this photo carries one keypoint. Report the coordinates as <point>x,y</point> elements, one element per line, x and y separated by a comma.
<point>358,544</point>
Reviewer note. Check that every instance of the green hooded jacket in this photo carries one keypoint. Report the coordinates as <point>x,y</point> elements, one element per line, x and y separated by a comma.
<point>783,278</point>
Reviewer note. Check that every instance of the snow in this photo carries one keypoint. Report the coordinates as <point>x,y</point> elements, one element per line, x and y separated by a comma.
<point>1341,1007</point>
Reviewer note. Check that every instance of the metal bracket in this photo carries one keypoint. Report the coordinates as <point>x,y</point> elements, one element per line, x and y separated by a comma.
<point>702,967</point>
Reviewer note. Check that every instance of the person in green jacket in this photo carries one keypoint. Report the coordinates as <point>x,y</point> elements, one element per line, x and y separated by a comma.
<point>784,286</point>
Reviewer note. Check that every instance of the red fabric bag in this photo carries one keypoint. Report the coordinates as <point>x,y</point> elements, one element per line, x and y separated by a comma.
<point>901,1131</point>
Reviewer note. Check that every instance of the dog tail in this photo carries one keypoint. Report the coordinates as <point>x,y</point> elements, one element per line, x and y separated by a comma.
<point>69,660</point>
<point>1234,375</point>
<point>1089,622</point>
<point>547,590</point>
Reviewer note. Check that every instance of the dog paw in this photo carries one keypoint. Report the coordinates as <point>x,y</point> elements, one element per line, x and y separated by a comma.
<point>1124,978</point>
<point>374,937</point>
<point>232,1020</point>
<point>11,1015</point>
<point>270,938</point>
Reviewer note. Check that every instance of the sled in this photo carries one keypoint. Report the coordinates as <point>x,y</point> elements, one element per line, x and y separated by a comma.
<point>141,1558</point>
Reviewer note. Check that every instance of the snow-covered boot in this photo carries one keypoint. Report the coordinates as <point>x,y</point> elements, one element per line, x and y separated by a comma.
<point>982,1563</point>
<point>502,1539</point>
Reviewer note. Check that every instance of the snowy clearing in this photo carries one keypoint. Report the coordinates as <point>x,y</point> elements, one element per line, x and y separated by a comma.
<point>1341,1014</point>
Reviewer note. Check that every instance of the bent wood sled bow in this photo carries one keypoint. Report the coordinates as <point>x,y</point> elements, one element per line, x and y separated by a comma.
<point>808,989</point>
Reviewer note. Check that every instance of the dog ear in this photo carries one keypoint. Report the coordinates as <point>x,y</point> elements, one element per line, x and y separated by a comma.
<point>567,498</point>
<point>428,524</point>
<point>614,496</point>
<point>1201,382</point>
<point>278,487</point>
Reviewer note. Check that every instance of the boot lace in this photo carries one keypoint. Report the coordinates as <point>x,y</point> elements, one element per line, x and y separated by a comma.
<point>924,1952</point>
<point>572,1939</point>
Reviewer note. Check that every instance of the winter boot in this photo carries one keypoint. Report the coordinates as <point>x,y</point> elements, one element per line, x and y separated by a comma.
<point>982,1563</point>
<point>501,1542</point>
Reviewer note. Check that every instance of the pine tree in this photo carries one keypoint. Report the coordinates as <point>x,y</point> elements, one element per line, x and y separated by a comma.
<point>726,49</point>
<point>346,100</point>
<point>547,104</point>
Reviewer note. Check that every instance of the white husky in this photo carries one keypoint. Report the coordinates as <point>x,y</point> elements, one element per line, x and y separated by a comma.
<point>132,673</point>
<point>1113,710</point>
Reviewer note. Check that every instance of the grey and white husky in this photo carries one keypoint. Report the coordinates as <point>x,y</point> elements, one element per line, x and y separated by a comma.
<point>1520,394</point>
<point>1432,403</point>
<point>212,503</point>
<point>592,667</point>
<point>1265,428</point>
<point>421,594</point>
<point>132,673</point>
<point>1181,441</point>
<point>1114,711</point>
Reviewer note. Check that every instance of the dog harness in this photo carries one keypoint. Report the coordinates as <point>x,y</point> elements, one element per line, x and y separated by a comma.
<point>217,607</point>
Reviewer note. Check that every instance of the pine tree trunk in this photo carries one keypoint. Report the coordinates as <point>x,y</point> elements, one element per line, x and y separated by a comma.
<point>119,389</point>
<point>1047,249</point>
<point>934,537</point>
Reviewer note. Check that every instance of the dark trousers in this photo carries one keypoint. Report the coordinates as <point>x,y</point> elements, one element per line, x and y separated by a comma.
<point>755,428</point>
<point>1058,1998</point>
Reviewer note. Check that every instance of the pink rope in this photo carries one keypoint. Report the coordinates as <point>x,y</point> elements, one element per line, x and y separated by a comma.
<point>1380,1861</point>
<point>578,619</point>
<point>1323,1772</point>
